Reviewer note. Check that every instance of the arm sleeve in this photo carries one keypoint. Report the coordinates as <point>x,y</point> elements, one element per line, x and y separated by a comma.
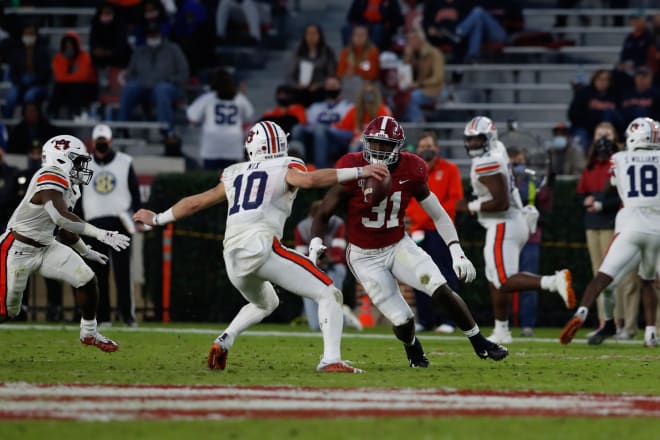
<point>441,219</point>
<point>134,188</point>
<point>80,228</point>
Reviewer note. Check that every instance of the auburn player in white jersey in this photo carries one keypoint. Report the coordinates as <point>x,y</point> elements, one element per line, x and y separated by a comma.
<point>499,210</point>
<point>636,241</point>
<point>29,244</point>
<point>260,194</point>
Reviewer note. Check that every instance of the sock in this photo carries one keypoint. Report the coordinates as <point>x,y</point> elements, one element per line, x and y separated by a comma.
<point>405,332</point>
<point>548,282</point>
<point>225,340</point>
<point>649,332</point>
<point>472,332</point>
<point>501,325</point>
<point>608,304</point>
<point>331,321</point>
<point>582,312</point>
<point>87,327</point>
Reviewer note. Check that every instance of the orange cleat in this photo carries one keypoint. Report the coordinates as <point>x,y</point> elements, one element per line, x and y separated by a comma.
<point>217,358</point>
<point>101,342</point>
<point>338,367</point>
<point>568,333</point>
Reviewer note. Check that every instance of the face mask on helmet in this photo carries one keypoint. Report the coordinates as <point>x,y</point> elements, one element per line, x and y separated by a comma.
<point>480,135</point>
<point>382,139</point>
<point>266,140</point>
<point>70,155</point>
<point>476,145</point>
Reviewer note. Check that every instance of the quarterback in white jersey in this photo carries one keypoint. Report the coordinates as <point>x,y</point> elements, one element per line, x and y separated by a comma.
<point>260,194</point>
<point>499,210</point>
<point>636,241</point>
<point>29,245</point>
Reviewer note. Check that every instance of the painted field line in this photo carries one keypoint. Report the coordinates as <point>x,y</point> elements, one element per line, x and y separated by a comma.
<point>153,402</point>
<point>275,333</point>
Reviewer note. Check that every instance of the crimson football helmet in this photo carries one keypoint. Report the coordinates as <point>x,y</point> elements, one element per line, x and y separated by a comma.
<point>483,128</point>
<point>643,133</point>
<point>266,140</point>
<point>384,130</point>
<point>70,155</point>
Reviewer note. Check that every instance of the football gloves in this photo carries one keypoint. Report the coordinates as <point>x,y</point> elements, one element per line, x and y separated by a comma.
<point>316,249</point>
<point>97,257</point>
<point>114,239</point>
<point>462,266</point>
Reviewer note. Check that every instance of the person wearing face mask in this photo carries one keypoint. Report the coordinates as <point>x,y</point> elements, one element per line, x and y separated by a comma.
<point>445,182</point>
<point>107,39</point>
<point>156,73</point>
<point>153,15</point>
<point>601,204</point>
<point>75,86</point>
<point>287,113</point>
<point>109,201</point>
<point>565,158</point>
<point>33,129</point>
<point>28,58</point>
<point>320,116</point>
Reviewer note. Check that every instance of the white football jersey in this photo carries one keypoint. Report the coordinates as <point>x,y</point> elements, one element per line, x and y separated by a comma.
<point>32,220</point>
<point>637,178</point>
<point>259,199</point>
<point>487,165</point>
<point>222,125</point>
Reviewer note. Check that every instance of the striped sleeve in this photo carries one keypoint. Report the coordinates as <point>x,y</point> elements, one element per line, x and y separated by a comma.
<point>488,168</point>
<point>297,164</point>
<point>51,179</point>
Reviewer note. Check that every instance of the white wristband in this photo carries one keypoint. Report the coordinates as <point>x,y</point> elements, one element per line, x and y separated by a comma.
<point>164,217</point>
<point>346,174</point>
<point>80,247</point>
<point>91,231</point>
<point>474,205</point>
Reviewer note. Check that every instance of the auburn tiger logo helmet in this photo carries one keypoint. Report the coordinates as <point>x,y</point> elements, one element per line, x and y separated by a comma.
<point>643,133</point>
<point>70,155</point>
<point>266,140</point>
<point>482,128</point>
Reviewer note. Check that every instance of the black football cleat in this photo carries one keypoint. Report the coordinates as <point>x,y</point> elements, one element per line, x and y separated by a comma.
<point>416,356</point>
<point>606,331</point>
<point>491,350</point>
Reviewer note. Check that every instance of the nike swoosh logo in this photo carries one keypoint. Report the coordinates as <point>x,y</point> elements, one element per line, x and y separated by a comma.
<point>401,182</point>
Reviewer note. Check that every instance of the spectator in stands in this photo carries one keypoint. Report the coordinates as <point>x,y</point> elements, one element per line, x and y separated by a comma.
<point>128,12</point>
<point>9,197</point>
<point>382,18</point>
<point>428,69</point>
<point>312,63</point>
<point>531,193</point>
<point>561,20</point>
<point>359,60</point>
<point>157,72</point>
<point>655,30</point>
<point>76,85</point>
<point>445,182</point>
<point>153,15</point>
<point>368,106</point>
<point>565,158</point>
<point>250,12</point>
<point>33,130</point>
<point>638,50</point>
<point>601,207</point>
<point>440,20</point>
<point>107,39</point>
<point>592,105</point>
<point>29,69</point>
<point>643,100</point>
<point>320,117</point>
<point>287,113</point>
<point>222,112</point>
<point>192,31</point>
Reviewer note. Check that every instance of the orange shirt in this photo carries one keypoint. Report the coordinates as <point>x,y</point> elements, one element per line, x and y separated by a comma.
<point>295,110</point>
<point>368,69</point>
<point>445,182</point>
<point>348,121</point>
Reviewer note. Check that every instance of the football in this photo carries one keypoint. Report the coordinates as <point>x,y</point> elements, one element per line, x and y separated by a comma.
<point>375,190</point>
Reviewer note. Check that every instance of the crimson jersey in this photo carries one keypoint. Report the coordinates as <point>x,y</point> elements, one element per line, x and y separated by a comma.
<point>372,227</point>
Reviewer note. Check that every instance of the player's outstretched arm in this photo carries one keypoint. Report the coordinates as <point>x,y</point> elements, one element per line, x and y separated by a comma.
<point>462,266</point>
<point>329,176</point>
<point>185,207</point>
<point>54,204</point>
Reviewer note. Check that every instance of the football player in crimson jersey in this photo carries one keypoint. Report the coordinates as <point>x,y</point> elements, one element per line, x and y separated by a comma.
<point>380,252</point>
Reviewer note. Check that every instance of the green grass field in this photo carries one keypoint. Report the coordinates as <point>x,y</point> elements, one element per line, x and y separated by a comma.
<point>176,354</point>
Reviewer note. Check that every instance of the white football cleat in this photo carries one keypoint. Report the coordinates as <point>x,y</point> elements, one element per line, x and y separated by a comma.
<point>563,285</point>
<point>501,337</point>
<point>337,367</point>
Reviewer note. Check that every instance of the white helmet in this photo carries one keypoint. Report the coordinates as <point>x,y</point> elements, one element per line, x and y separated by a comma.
<point>265,140</point>
<point>483,127</point>
<point>70,155</point>
<point>643,133</point>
